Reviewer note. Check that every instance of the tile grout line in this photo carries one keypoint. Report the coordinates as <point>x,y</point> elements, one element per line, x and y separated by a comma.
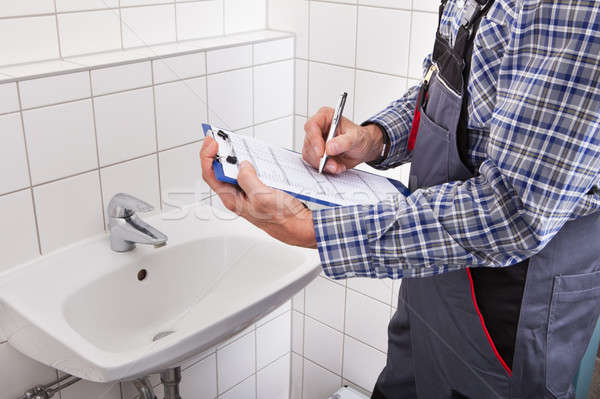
<point>93,104</point>
<point>85,10</point>
<point>30,188</point>
<point>58,41</point>
<point>155,115</point>
<point>123,161</point>
<point>121,24</point>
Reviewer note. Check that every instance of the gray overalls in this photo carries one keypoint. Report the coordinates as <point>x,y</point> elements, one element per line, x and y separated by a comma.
<point>514,332</point>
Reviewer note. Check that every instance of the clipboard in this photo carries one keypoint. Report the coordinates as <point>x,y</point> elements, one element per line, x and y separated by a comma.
<point>327,190</point>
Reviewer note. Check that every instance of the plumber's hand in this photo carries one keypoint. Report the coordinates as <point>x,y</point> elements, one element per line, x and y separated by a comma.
<point>279,214</point>
<point>353,144</point>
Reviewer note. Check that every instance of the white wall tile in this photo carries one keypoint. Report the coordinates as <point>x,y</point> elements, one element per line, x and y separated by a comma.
<point>292,16</point>
<point>362,364</point>
<point>180,67</point>
<point>297,332</point>
<point>273,382</point>
<point>122,77</point>
<point>60,140</point>
<point>375,28</point>
<point>89,32</point>
<point>199,19</point>
<point>301,87</point>
<point>274,50</point>
<point>380,289</point>
<point>92,390</point>
<point>200,380</point>
<point>143,26</point>
<point>28,39</point>
<point>244,390</point>
<point>125,125</point>
<point>424,26</point>
<point>299,133</point>
<point>374,92</point>
<point>181,177</point>
<point>325,302</point>
<point>296,374</point>
<point>273,340</point>
<point>9,102</point>
<point>326,84</point>
<point>81,5</point>
<point>18,243</point>
<point>236,362</point>
<point>129,3</point>
<point>278,132</point>
<point>323,345</point>
<point>367,319</point>
<point>19,373</point>
<point>68,210</point>
<point>426,5</point>
<point>13,161</point>
<point>230,95</point>
<point>138,178</point>
<point>180,111</point>
<point>229,58</point>
<point>273,91</point>
<point>54,89</point>
<point>285,307</point>
<point>11,8</point>
<point>333,33</point>
<point>319,382</point>
<point>401,4</point>
<point>395,292</point>
<point>244,15</point>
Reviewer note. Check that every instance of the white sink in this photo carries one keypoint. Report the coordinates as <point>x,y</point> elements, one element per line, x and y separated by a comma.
<point>84,311</point>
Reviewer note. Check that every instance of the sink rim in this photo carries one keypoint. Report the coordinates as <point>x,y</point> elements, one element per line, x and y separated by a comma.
<point>50,321</point>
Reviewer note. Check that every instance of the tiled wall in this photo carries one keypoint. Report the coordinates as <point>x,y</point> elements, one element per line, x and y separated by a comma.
<point>71,141</point>
<point>34,30</point>
<point>373,49</point>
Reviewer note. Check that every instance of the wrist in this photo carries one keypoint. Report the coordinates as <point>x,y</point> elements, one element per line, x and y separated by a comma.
<point>375,141</point>
<point>303,230</point>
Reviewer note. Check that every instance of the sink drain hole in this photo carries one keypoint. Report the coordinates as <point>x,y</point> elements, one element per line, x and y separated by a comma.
<point>142,274</point>
<point>161,335</point>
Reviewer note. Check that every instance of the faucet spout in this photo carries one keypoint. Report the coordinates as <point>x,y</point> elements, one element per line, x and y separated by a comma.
<point>127,229</point>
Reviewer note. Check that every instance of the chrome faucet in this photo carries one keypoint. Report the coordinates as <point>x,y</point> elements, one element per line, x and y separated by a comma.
<point>125,226</point>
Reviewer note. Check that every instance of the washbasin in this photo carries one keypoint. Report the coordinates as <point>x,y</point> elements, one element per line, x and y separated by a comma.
<point>106,316</point>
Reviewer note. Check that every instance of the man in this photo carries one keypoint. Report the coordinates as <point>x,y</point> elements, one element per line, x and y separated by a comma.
<point>498,242</point>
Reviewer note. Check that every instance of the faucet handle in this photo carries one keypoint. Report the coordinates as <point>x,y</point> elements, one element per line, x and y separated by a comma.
<point>124,205</point>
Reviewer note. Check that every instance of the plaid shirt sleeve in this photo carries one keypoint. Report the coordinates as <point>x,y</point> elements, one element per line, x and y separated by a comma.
<point>396,121</point>
<point>541,169</point>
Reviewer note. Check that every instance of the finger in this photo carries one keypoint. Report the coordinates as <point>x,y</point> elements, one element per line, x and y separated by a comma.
<point>341,144</point>
<point>334,166</point>
<point>310,155</point>
<point>317,127</point>
<point>249,181</point>
<point>207,154</point>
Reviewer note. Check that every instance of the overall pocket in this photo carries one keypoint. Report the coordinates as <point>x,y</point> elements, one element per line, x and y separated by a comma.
<point>574,311</point>
<point>430,155</point>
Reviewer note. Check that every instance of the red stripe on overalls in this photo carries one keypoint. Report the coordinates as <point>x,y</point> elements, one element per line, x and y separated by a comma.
<point>414,130</point>
<point>485,330</point>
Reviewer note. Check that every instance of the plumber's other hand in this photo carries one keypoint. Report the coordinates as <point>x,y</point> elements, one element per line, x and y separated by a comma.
<point>276,212</point>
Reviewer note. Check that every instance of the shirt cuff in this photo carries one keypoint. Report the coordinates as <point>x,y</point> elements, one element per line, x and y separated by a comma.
<point>342,241</point>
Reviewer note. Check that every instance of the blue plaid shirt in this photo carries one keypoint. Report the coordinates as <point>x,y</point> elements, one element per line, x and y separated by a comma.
<point>535,116</point>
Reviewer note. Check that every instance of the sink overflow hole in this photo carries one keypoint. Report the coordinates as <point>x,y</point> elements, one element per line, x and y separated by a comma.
<point>142,274</point>
<point>161,335</point>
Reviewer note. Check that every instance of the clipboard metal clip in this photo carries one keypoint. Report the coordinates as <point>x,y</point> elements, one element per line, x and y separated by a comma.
<point>232,157</point>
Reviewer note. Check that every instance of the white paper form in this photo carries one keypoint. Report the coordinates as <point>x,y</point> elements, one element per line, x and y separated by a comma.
<point>286,170</point>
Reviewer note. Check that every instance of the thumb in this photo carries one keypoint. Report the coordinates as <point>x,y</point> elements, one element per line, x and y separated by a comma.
<point>248,180</point>
<point>341,144</point>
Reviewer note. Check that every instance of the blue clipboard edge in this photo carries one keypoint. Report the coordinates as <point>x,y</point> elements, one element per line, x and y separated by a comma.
<point>220,175</point>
